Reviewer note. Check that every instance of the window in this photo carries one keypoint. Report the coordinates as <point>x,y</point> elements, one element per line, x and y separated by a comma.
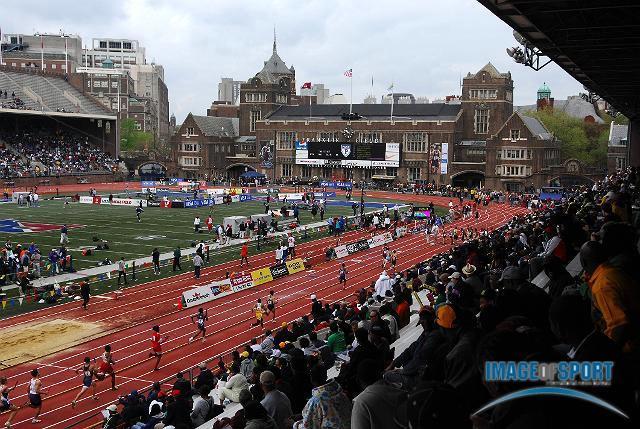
<point>216,148</point>
<point>103,45</point>
<point>104,84</point>
<point>621,162</point>
<point>328,137</point>
<point>513,187</point>
<point>190,131</point>
<point>191,161</point>
<point>508,96</point>
<point>481,121</point>
<point>515,153</point>
<point>114,84</point>
<point>190,147</point>
<point>248,147</point>
<point>392,171</point>
<point>254,117</point>
<point>415,142</point>
<point>285,139</point>
<point>286,170</point>
<point>88,84</point>
<point>96,84</point>
<point>370,137</point>
<point>552,153</point>
<point>126,45</point>
<point>367,173</point>
<point>483,94</point>
<point>281,98</point>
<point>114,45</point>
<point>63,66</point>
<point>253,97</point>
<point>306,171</point>
<point>513,170</point>
<point>514,134</point>
<point>414,174</point>
<point>114,105</point>
<point>13,64</point>
<point>53,66</point>
<point>476,152</point>
<point>623,142</point>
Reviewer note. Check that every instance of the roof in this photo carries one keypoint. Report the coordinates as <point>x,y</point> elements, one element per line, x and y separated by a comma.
<point>213,126</point>
<point>536,127</point>
<point>617,133</point>
<point>491,70</point>
<point>274,67</point>
<point>433,111</point>
<point>575,106</point>
<point>544,88</point>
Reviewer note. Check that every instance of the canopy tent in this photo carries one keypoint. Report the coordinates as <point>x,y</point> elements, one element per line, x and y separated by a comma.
<point>252,175</point>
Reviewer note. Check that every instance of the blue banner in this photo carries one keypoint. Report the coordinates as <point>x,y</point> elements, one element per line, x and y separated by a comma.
<point>148,183</point>
<point>198,203</point>
<point>245,197</point>
<point>339,184</point>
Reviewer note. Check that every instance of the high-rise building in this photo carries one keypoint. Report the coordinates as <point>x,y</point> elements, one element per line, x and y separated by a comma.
<point>59,51</point>
<point>399,98</point>
<point>317,90</point>
<point>149,95</point>
<point>370,99</point>
<point>229,90</point>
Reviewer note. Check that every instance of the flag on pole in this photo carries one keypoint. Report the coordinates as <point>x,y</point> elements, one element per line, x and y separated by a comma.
<point>349,73</point>
<point>390,88</point>
<point>306,85</point>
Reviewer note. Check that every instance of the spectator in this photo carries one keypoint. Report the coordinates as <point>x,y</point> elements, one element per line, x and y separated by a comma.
<point>205,378</point>
<point>275,402</point>
<point>328,407</point>
<point>335,340</point>
<point>257,417</point>
<point>235,383</point>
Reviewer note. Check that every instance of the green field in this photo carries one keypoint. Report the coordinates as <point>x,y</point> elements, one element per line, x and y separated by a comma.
<point>161,228</point>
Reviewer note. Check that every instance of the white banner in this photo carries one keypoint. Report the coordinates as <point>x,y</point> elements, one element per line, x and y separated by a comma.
<point>207,293</point>
<point>341,251</point>
<point>444,158</point>
<point>380,240</point>
<point>132,202</point>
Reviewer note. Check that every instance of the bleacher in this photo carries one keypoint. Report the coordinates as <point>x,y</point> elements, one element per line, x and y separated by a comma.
<point>47,93</point>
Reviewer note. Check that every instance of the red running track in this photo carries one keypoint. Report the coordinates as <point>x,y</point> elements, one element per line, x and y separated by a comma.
<point>127,323</point>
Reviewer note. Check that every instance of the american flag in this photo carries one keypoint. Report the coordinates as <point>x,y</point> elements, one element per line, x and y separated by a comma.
<point>349,73</point>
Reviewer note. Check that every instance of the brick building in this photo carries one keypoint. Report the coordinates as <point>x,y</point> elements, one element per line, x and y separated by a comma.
<point>201,145</point>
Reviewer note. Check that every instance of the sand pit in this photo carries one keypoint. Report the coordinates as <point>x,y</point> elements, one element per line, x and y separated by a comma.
<point>34,340</point>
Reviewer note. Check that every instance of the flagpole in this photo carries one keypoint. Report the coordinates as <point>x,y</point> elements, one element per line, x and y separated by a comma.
<point>351,96</point>
<point>392,100</point>
<point>0,46</point>
<point>41,53</point>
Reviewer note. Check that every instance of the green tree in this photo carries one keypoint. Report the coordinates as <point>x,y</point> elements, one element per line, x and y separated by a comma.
<point>131,139</point>
<point>580,140</point>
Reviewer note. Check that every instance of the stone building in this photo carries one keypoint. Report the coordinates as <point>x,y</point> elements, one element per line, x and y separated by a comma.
<point>617,148</point>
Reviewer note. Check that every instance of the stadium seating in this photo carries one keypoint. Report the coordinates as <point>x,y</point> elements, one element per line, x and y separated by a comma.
<point>46,93</point>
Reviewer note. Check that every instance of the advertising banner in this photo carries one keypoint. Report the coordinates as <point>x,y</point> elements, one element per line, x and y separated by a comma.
<point>206,293</point>
<point>278,271</point>
<point>444,160</point>
<point>341,251</point>
<point>295,266</point>
<point>166,204</point>
<point>132,202</point>
<point>261,276</point>
<point>245,197</point>
<point>380,240</point>
<point>358,246</point>
<point>198,203</point>
<point>147,183</point>
<point>338,184</point>
<point>218,200</point>
<point>241,282</point>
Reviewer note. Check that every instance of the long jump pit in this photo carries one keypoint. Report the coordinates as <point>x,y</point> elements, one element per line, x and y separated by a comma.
<point>31,341</point>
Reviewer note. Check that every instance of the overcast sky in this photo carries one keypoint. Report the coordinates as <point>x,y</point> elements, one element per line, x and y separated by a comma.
<point>423,46</point>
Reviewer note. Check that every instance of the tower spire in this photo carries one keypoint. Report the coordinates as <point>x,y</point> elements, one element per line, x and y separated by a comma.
<point>274,39</point>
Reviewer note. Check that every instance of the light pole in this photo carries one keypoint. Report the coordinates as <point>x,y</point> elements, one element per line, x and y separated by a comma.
<point>362,202</point>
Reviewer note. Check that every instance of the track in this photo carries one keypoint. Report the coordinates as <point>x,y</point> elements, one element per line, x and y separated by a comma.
<point>129,319</point>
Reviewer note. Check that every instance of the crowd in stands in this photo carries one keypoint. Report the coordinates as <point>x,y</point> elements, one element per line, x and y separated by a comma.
<point>481,305</point>
<point>12,102</point>
<point>53,154</point>
<point>11,164</point>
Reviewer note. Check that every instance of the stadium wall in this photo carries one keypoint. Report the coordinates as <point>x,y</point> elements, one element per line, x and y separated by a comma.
<point>16,183</point>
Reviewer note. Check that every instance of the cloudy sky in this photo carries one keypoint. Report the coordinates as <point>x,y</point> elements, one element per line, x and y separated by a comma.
<point>423,46</point>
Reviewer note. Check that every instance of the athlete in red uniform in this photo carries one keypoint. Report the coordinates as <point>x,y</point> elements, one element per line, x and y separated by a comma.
<point>106,367</point>
<point>156,345</point>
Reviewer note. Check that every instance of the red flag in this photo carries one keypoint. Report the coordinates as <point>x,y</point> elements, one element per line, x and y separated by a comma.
<point>349,73</point>
<point>306,85</point>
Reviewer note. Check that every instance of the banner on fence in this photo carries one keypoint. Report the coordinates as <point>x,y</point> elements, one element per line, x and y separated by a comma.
<point>132,202</point>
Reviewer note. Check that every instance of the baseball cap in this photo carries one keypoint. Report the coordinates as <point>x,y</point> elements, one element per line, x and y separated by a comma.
<point>313,296</point>
<point>284,324</point>
<point>446,316</point>
<point>282,345</point>
<point>202,365</point>
<point>276,353</point>
<point>244,354</point>
<point>444,277</point>
<point>455,275</point>
<point>267,378</point>
<point>112,408</point>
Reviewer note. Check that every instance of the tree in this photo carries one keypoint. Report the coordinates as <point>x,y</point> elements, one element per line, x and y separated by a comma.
<point>580,140</point>
<point>131,139</point>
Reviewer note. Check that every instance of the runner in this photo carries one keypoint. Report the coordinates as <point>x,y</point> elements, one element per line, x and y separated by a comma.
<point>342,276</point>
<point>35,395</point>
<point>244,254</point>
<point>156,345</point>
<point>209,223</point>
<point>88,371</point>
<point>155,257</point>
<point>258,309</point>
<point>139,210</point>
<point>201,316</point>
<point>291,241</point>
<point>106,367</point>
<point>5,403</point>
<point>85,293</point>
<point>386,256</point>
<point>271,305</point>
<point>394,260</point>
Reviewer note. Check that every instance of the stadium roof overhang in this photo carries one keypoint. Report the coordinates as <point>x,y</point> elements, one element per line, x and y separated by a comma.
<point>597,42</point>
<point>59,114</point>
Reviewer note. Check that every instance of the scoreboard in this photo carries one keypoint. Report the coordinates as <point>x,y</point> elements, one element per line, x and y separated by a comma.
<point>345,154</point>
